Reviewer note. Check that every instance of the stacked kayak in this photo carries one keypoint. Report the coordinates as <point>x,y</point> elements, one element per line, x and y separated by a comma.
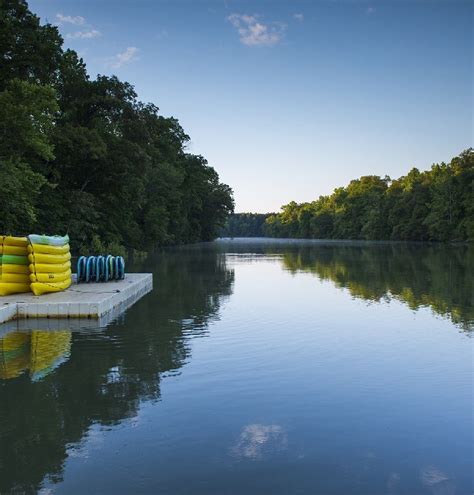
<point>49,263</point>
<point>14,272</point>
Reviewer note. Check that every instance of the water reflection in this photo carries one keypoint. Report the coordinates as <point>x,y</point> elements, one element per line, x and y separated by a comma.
<point>14,355</point>
<point>109,372</point>
<point>37,351</point>
<point>62,383</point>
<point>256,440</point>
<point>420,275</point>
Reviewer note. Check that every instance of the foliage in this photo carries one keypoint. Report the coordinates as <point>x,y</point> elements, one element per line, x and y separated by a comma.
<point>244,225</point>
<point>435,205</point>
<point>87,158</point>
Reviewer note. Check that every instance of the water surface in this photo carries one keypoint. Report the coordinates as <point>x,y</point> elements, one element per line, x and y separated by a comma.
<point>266,367</point>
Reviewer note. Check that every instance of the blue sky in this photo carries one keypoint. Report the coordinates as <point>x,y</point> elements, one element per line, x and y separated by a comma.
<point>288,100</point>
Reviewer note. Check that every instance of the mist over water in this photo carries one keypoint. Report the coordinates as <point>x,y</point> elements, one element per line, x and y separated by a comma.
<point>255,366</point>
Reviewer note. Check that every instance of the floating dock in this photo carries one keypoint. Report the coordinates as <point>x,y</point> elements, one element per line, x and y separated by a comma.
<point>93,300</point>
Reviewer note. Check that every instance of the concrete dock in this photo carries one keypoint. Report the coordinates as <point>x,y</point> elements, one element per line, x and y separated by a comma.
<point>93,300</point>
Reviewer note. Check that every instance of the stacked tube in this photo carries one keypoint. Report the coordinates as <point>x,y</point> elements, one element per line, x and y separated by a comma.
<point>50,263</point>
<point>14,273</point>
<point>100,268</point>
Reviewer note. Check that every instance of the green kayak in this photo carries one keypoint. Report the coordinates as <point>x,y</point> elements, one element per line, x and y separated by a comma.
<point>11,259</point>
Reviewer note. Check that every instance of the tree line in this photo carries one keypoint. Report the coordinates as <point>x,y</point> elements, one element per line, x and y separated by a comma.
<point>85,157</point>
<point>245,225</point>
<point>431,205</point>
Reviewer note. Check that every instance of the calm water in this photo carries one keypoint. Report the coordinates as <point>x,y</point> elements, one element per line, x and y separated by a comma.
<point>254,368</point>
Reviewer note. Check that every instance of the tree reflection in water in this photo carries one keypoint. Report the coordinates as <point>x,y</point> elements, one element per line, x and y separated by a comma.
<point>107,374</point>
<point>438,276</point>
<point>55,385</point>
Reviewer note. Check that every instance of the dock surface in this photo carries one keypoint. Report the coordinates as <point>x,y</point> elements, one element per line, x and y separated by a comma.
<point>92,300</point>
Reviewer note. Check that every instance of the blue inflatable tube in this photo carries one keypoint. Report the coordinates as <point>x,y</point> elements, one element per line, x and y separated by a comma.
<point>81,268</point>
<point>100,268</point>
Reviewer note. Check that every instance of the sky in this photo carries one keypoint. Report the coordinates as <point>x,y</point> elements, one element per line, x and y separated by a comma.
<point>288,100</point>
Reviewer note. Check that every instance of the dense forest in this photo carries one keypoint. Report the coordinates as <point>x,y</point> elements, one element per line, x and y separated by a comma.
<point>85,157</point>
<point>244,225</point>
<point>434,205</point>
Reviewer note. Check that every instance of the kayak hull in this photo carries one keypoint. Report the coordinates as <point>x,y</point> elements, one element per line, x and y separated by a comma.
<point>50,277</point>
<point>7,288</point>
<point>15,250</point>
<point>17,278</point>
<point>10,268</point>
<point>53,259</point>
<point>15,241</point>
<point>12,259</point>
<point>46,249</point>
<point>40,288</point>
<point>50,240</point>
<point>50,268</point>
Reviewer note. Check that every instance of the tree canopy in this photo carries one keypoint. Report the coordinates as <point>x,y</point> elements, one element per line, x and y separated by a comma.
<point>434,205</point>
<point>85,157</point>
<point>245,225</point>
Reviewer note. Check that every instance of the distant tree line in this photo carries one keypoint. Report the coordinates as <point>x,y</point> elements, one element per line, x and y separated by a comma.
<point>245,225</point>
<point>86,157</point>
<point>434,205</point>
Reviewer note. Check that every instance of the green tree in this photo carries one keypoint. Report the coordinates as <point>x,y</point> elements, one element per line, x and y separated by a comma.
<point>436,205</point>
<point>88,158</point>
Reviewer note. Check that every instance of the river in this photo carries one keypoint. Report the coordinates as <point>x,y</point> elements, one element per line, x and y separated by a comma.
<point>254,367</point>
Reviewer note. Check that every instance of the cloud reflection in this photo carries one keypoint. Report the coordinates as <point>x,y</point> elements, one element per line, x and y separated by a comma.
<point>256,440</point>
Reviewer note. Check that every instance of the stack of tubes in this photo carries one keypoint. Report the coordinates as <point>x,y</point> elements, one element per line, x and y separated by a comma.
<point>100,268</point>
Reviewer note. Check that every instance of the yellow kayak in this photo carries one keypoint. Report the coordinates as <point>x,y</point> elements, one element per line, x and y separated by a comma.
<point>23,269</point>
<point>15,241</point>
<point>7,288</point>
<point>49,258</point>
<point>18,278</point>
<point>45,249</point>
<point>40,288</point>
<point>50,268</point>
<point>50,277</point>
<point>16,250</point>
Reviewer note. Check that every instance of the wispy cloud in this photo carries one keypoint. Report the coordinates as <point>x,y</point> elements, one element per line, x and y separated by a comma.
<point>88,32</point>
<point>370,10</point>
<point>252,32</point>
<point>84,35</point>
<point>77,20</point>
<point>298,17</point>
<point>129,55</point>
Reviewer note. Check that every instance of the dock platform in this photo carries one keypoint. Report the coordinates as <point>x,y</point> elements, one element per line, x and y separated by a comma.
<point>87,300</point>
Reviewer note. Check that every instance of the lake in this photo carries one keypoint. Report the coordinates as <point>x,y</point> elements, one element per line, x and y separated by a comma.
<point>254,367</point>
